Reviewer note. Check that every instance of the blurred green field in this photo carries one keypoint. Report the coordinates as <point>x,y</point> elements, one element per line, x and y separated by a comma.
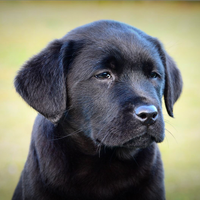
<point>26,27</point>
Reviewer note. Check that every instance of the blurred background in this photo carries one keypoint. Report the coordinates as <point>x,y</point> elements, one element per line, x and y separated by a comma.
<point>27,27</point>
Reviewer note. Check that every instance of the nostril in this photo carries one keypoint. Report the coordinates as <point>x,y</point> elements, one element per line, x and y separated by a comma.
<point>154,115</point>
<point>142,116</point>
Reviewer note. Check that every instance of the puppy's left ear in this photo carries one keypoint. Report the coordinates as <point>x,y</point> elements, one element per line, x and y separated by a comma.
<point>173,84</point>
<point>42,80</point>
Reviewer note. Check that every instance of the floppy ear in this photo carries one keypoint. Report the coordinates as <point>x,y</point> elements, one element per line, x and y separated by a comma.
<point>42,80</point>
<point>173,84</point>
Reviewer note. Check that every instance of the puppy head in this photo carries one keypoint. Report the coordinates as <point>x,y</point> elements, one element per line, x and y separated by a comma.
<point>101,74</point>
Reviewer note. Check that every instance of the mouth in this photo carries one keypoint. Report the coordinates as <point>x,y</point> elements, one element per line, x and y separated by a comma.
<point>143,139</point>
<point>140,141</point>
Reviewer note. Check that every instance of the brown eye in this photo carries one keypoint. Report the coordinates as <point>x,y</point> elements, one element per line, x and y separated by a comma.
<point>154,75</point>
<point>104,75</point>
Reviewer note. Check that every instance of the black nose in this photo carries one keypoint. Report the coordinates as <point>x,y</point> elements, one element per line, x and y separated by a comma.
<point>146,114</point>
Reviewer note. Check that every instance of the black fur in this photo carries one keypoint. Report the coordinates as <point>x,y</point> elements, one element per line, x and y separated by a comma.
<point>88,142</point>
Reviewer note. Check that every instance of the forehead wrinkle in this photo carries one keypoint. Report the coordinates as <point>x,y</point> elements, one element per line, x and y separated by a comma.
<point>99,57</point>
<point>132,48</point>
<point>145,53</point>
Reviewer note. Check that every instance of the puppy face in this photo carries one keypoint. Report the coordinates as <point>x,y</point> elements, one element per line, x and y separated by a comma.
<point>106,90</point>
<point>106,79</point>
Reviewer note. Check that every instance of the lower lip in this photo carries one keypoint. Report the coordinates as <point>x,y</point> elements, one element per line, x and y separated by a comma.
<point>145,142</point>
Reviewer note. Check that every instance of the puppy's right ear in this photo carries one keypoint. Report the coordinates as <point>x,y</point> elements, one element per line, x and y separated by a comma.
<point>173,84</point>
<point>173,78</point>
<point>42,80</point>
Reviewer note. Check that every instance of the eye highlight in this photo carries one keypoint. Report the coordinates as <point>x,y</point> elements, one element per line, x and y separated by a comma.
<point>104,75</point>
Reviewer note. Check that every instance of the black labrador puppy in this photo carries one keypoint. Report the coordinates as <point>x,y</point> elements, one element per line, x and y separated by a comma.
<point>98,91</point>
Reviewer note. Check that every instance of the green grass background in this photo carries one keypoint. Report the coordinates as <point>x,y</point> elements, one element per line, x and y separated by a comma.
<point>26,27</point>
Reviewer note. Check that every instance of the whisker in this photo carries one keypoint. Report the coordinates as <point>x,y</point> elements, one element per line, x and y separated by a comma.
<point>135,161</point>
<point>171,135</point>
<point>109,116</point>
<point>168,122</point>
<point>167,140</point>
<point>99,149</point>
<point>66,136</point>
